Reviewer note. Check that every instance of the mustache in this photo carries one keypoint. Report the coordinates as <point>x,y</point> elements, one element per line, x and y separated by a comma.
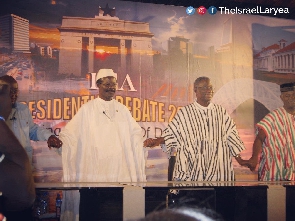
<point>111,90</point>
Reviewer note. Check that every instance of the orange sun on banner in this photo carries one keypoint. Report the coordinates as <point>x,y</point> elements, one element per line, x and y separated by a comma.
<point>102,54</point>
<point>43,35</point>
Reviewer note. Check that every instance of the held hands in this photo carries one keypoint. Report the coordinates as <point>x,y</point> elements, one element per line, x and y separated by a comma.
<point>251,163</point>
<point>150,142</point>
<point>53,141</point>
<point>242,162</point>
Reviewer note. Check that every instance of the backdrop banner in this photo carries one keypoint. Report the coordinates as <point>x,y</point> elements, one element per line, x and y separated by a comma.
<point>157,51</point>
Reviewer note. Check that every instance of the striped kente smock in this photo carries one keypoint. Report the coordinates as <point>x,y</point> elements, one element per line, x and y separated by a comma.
<point>206,139</point>
<point>277,157</point>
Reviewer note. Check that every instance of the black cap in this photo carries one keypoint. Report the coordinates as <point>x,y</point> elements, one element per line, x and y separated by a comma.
<point>287,87</point>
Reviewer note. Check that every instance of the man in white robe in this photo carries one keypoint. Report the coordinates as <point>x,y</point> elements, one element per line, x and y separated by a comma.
<point>103,142</point>
<point>205,138</point>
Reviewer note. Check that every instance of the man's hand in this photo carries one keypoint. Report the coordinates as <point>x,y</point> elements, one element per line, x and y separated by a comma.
<point>242,162</point>
<point>53,141</point>
<point>252,163</point>
<point>150,142</point>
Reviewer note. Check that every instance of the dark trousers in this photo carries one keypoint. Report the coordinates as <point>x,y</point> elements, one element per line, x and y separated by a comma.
<point>171,167</point>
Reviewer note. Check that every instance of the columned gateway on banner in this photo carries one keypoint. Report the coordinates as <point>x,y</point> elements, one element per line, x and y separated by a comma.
<point>89,44</point>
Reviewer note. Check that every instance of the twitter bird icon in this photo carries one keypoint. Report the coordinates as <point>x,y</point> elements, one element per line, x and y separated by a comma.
<point>190,10</point>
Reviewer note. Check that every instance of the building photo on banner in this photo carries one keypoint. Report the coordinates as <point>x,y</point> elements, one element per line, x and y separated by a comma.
<point>55,49</point>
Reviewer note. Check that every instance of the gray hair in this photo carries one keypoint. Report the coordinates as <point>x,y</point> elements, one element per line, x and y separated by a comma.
<point>199,79</point>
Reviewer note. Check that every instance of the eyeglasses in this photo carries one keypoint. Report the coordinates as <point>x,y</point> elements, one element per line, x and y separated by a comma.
<point>206,88</point>
<point>109,85</point>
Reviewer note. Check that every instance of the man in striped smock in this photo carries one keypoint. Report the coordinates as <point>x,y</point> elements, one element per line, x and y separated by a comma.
<point>205,138</point>
<point>275,140</point>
